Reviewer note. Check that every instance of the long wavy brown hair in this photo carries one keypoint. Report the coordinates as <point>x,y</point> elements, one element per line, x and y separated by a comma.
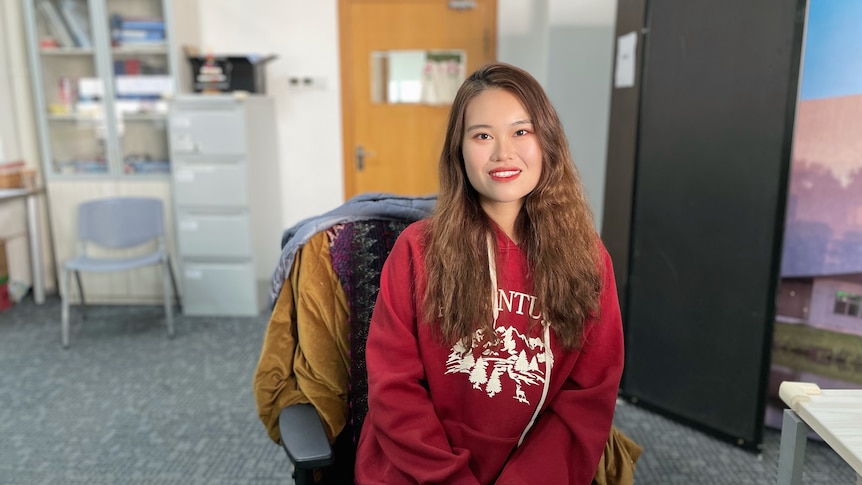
<point>555,226</point>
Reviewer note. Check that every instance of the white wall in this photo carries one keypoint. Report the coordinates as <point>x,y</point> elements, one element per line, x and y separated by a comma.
<point>18,124</point>
<point>8,134</point>
<point>522,35</point>
<point>567,45</point>
<point>18,140</point>
<point>581,37</point>
<point>304,36</point>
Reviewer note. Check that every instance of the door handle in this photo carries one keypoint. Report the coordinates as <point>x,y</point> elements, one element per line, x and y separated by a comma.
<point>360,157</point>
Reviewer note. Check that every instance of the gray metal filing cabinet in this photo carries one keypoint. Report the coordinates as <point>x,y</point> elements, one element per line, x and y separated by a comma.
<point>227,201</point>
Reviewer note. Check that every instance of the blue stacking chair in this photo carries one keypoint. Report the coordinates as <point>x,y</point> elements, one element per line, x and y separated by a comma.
<point>118,223</point>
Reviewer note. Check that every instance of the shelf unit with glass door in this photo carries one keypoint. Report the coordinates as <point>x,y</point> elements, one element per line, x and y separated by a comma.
<point>102,70</point>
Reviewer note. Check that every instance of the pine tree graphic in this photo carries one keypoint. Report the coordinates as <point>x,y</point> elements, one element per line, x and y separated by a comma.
<point>521,364</point>
<point>494,386</point>
<point>479,375</point>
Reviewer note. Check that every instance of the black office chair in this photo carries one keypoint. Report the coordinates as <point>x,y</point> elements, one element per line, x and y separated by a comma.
<point>359,236</point>
<point>362,248</point>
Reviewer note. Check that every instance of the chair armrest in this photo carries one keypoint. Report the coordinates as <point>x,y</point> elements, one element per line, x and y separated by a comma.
<point>303,437</point>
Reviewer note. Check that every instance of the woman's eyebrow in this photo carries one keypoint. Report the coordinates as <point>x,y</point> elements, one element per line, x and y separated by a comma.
<point>487,127</point>
<point>478,127</point>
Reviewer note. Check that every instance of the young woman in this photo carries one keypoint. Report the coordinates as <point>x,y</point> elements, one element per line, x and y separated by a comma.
<point>495,349</point>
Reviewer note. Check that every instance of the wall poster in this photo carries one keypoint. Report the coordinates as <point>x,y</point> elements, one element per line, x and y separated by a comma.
<point>818,328</point>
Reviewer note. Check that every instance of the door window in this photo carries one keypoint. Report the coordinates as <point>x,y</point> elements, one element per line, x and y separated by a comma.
<point>416,76</point>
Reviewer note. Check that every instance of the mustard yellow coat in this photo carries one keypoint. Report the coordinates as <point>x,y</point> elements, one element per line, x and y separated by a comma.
<point>306,349</point>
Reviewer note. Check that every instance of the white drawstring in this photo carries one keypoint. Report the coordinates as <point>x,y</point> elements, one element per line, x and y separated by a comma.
<point>549,364</point>
<point>549,356</point>
<point>492,268</point>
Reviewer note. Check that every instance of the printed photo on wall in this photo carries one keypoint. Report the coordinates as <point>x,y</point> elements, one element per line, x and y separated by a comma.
<point>818,328</point>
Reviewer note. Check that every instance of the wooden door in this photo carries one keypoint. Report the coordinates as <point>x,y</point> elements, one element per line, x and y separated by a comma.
<point>402,142</point>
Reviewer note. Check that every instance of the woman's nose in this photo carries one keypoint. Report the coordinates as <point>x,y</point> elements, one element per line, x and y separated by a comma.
<point>503,150</point>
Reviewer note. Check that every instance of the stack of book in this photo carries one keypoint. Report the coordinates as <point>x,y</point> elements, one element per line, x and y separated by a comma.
<point>134,65</point>
<point>143,86</point>
<point>97,165</point>
<point>137,30</point>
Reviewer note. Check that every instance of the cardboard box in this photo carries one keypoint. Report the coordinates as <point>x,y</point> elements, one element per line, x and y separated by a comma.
<point>10,180</point>
<point>14,175</point>
<point>10,174</point>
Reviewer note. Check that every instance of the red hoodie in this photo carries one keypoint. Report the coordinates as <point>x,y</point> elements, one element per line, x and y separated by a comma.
<point>455,414</point>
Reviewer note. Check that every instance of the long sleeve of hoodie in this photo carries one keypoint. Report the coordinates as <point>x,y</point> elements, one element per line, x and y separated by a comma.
<point>567,441</point>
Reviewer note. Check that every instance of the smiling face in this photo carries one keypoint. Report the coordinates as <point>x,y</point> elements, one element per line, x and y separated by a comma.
<point>502,153</point>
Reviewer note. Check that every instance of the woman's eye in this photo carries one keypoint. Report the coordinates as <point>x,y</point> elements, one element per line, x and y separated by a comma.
<point>483,136</point>
<point>521,132</point>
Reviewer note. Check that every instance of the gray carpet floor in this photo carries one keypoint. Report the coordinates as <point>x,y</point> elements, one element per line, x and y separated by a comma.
<point>126,405</point>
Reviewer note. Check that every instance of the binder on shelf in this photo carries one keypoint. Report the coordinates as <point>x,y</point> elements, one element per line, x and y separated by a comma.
<point>55,25</point>
<point>143,86</point>
<point>90,88</point>
<point>142,23</point>
<point>75,14</point>
<point>127,36</point>
<point>137,23</point>
<point>137,30</point>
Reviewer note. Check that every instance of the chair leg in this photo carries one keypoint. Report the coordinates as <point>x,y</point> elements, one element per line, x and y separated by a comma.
<point>303,476</point>
<point>166,283</point>
<point>81,292</point>
<point>64,312</point>
<point>174,285</point>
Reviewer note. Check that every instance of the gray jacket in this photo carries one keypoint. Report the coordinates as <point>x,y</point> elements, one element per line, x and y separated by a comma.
<point>363,207</point>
